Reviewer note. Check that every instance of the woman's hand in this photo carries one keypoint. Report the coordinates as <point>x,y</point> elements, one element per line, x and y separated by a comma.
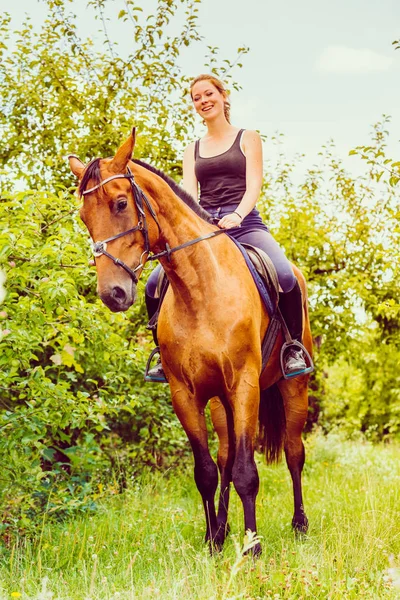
<point>230,220</point>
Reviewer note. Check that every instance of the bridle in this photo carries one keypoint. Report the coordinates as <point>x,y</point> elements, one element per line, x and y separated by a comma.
<point>140,199</point>
<point>100,248</point>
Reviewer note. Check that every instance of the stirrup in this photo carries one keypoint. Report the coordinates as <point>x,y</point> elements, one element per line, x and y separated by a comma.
<point>308,369</point>
<point>148,377</point>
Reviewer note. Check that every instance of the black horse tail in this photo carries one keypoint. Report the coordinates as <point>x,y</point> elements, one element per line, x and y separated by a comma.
<point>271,424</point>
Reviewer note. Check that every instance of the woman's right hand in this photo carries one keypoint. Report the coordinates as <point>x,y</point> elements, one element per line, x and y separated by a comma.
<point>230,220</point>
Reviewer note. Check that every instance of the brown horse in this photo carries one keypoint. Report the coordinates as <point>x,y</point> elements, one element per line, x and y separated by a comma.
<point>210,328</point>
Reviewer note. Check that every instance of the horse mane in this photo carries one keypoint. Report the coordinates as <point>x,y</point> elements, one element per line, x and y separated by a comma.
<point>92,171</point>
<point>179,191</point>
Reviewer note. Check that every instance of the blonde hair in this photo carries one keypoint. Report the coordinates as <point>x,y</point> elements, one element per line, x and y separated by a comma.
<point>217,83</point>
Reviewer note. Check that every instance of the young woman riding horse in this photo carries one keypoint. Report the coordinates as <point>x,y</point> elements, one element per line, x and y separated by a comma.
<point>210,328</point>
<point>227,163</point>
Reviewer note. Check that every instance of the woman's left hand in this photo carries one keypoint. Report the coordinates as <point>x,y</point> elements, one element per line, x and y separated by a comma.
<point>229,221</point>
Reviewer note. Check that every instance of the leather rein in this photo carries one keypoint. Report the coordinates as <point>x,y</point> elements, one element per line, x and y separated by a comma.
<point>140,199</point>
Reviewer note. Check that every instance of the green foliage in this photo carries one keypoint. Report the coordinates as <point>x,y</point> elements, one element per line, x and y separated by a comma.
<point>76,418</point>
<point>73,408</point>
<point>344,234</point>
<point>60,95</point>
<point>2,289</point>
<point>362,393</point>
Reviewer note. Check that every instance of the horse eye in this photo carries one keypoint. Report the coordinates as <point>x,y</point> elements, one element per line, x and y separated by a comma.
<point>122,204</point>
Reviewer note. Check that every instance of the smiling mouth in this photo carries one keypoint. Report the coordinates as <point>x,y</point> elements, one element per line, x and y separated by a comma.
<point>207,108</point>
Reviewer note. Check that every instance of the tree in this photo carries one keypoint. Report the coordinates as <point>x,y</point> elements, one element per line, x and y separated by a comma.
<point>72,401</point>
<point>61,95</point>
<point>344,234</point>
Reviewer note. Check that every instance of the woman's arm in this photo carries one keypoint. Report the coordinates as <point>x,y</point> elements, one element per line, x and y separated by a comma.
<point>254,175</point>
<point>189,181</point>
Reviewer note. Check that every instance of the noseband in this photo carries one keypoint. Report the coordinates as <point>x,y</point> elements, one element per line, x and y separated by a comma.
<point>139,197</point>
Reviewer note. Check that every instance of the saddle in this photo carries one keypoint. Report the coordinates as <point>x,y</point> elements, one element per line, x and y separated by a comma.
<point>265,277</point>
<point>266,280</point>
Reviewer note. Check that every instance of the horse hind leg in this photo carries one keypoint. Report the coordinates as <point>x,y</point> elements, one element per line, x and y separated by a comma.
<point>222,419</point>
<point>295,398</point>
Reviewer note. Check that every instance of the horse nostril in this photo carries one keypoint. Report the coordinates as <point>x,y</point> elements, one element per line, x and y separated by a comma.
<point>118,294</point>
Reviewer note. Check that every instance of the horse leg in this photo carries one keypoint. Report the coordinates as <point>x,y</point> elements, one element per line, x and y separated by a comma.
<point>190,413</point>
<point>295,398</point>
<point>223,425</point>
<point>245,404</point>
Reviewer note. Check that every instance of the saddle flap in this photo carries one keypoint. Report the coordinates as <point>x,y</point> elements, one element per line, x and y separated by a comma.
<point>265,268</point>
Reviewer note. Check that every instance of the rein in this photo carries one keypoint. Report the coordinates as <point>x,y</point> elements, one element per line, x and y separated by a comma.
<point>139,197</point>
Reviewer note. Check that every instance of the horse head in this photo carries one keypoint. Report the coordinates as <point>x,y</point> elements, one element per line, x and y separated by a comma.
<point>120,224</point>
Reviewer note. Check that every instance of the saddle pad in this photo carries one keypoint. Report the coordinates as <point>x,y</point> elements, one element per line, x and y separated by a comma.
<point>266,269</point>
<point>268,290</point>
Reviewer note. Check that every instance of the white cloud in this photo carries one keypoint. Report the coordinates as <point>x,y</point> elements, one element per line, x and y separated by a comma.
<point>341,59</point>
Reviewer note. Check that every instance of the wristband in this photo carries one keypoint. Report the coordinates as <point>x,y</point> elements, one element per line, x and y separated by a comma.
<point>236,213</point>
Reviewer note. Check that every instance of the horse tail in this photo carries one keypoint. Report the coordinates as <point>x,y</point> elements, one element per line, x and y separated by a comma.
<point>271,424</point>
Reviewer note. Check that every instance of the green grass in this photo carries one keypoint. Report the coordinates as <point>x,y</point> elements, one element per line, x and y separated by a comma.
<point>147,543</point>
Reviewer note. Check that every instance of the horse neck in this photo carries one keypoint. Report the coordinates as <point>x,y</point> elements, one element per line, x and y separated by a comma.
<point>193,267</point>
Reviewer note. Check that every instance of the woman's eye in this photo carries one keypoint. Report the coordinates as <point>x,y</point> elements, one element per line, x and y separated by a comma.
<point>122,204</point>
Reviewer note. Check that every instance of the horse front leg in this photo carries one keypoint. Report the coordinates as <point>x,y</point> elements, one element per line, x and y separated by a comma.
<point>190,412</point>
<point>245,404</point>
<point>295,397</point>
<point>223,424</point>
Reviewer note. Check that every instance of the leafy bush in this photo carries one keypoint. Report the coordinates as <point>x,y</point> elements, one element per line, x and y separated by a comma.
<point>74,408</point>
<point>363,393</point>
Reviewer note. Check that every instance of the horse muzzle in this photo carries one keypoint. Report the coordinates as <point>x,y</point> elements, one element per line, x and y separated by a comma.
<point>119,298</point>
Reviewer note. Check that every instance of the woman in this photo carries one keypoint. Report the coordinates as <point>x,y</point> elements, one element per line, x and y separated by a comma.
<point>227,165</point>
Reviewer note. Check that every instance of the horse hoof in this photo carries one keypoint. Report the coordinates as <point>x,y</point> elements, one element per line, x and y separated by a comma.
<point>255,551</point>
<point>215,546</point>
<point>300,526</point>
<point>216,543</point>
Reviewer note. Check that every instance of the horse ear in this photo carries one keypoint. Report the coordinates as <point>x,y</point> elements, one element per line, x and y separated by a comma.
<point>76,165</point>
<point>124,154</point>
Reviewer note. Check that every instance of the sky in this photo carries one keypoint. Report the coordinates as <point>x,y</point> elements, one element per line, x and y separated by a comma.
<point>317,70</point>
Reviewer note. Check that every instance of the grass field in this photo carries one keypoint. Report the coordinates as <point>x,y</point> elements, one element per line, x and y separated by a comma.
<point>148,544</point>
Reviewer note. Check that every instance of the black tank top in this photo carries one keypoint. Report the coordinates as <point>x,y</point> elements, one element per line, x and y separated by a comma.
<point>222,178</point>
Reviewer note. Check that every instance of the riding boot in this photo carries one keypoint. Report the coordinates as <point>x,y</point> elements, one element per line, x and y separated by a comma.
<point>156,373</point>
<point>291,307</point>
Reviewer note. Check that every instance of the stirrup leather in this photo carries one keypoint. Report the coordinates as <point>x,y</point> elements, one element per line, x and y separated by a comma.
<point>308,369</point>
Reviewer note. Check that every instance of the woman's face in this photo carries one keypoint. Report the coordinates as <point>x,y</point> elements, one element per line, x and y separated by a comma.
<point>207,99</point>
